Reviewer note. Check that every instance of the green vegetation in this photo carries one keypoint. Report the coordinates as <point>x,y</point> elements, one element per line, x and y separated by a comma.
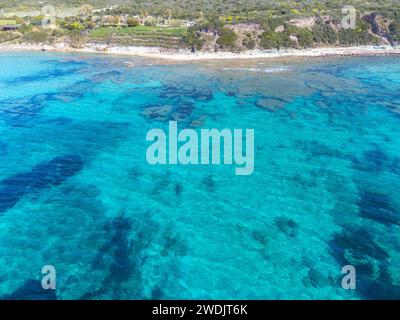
<point>168,37</point>
<point>358,36</point>
<point>248,42</point>
<point>132,22</point>
<point>227,39</point>
<point>211,24</point>
<point>275,40</point>
<point>192,39</point>
<point>36,37</point>
<point>8,37</point>
<point>394,30</point>
<point>7,22</point>
<point>323,32</point>
<point>305,37</point>
<point>168,31</point>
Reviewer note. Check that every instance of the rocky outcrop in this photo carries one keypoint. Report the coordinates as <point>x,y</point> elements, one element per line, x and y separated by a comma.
<point>248,35</point>
<point>379,26</point>
<point>308,23</point>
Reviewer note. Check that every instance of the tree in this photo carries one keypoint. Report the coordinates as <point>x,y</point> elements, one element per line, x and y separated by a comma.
<point>213,23</point>
<point>192,39</point>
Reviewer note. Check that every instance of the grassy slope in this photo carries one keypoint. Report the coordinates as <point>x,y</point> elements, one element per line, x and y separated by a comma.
<point>140,35</point>
<point>167,31</point>
<point>7,22</point>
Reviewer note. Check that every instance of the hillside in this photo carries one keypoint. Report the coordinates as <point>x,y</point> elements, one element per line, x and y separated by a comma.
<point>210,25</point>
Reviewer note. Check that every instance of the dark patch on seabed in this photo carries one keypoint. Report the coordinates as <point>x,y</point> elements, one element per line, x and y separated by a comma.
<point>320,86</point>
<point>119,248</point>
<point>357,247</point>
<point>378,207</point>
<point>21,112</point>
<point>42,176</point>
<point>318,149</point>
<point>70,62</point>
<point>3,148</point>
<point>123,255</point>
<point>178,92</point>
<point>31,290</point>
<point>376,161</point>
<point>287,226</point>
<point>124,252</point>
<point>333,70</point>
<point>18,112</point>
<point>209,183</point>
<point>179,112</point>
<point>108,75</point>
<point>41,76</point>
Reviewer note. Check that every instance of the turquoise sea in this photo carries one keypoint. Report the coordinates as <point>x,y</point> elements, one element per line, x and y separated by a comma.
<point>77,193</point>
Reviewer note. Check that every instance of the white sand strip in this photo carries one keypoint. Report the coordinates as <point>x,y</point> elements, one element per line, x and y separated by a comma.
<point>185,55</point>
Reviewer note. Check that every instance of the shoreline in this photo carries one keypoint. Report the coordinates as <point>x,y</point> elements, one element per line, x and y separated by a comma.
<point>187,56</point>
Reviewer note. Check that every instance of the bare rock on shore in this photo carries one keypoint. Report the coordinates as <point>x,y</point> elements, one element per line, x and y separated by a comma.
<point>308,23</point>
<point>380,26</point>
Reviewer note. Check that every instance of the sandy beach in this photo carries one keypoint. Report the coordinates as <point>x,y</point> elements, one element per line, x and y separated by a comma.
<point>186,55</point>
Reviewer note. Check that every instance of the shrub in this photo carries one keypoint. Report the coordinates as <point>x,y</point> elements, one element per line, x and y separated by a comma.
<point>394,31</point>
<point>36,37</point>
<point>86,10</point>
<point>305,37</point>
<point>352,37</point>
<point>175,22</point>
<point>324,33</point>
<point>192,39</point>
<point>227,38</point>
<point>8,36</point>
<point>212,24</point>
<point>150,22</point>
<point>357,36</point>
<point>276,40</point>
<point>272,23</point>
<point>132,22</point>
<point>76,38</point>
<point>89,24</point>
<point>36,21</point>
<point>270,40</point>
<point>72,25</point>
<point>249,43</point>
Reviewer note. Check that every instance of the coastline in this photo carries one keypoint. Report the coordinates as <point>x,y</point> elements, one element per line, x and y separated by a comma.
<point>187,56</point>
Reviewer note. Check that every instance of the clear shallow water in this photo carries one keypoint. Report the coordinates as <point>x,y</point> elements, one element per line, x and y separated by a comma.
<point>76,191</point>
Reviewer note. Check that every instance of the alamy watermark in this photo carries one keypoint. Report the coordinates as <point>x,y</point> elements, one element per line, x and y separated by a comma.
<point>49,280</point>
<point>49,17</point>
<point>349,18</point>
<point>187,147</point>
<point>349,280</point>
